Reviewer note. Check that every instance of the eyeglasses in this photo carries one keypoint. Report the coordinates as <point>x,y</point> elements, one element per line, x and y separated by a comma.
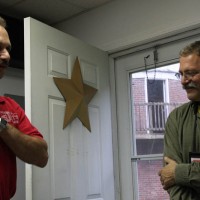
<point>187,75</point>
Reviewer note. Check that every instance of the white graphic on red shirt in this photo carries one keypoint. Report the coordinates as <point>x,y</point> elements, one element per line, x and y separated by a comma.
<point>10,117</point>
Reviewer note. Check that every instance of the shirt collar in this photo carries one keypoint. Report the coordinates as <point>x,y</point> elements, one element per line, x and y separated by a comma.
<point>2,100</point>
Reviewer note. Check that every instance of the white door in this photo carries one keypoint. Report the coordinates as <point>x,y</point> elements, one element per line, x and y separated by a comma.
<point>80,163</point>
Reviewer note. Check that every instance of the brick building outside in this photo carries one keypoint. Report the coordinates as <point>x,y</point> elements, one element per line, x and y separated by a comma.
<point>152,101</point>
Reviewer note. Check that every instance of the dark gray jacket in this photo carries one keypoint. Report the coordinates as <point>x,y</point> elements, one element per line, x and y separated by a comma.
<point>181,137</point>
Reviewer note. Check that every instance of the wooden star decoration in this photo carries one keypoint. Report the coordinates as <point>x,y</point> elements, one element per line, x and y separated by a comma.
<point>77,96</point>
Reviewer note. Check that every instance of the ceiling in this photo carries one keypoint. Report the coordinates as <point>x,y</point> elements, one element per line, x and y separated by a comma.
<point>48,11</point>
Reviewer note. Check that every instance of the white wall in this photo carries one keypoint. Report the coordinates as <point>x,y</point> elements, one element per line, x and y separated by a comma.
<point>122,23</point>
<point>12,82</point>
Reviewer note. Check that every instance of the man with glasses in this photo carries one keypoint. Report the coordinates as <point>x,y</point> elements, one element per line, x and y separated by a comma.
<point>180,175</point>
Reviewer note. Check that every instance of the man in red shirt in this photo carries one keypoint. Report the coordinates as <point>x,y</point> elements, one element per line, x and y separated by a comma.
<point>18,137</point>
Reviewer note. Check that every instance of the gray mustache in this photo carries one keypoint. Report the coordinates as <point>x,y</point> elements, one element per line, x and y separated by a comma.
<point>190,85</point>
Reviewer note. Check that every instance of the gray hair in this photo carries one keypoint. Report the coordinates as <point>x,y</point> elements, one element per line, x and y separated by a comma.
<point>193,48</point>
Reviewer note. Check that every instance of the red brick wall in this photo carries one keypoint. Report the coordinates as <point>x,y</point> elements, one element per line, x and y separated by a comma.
<point>149,185</point>
<point>176,92</point>
<point>138,89</point>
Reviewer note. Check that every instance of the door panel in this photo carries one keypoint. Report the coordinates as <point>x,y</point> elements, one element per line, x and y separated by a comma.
<point>80,163</point>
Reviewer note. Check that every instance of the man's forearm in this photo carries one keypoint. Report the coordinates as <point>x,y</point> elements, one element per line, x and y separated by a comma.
<point>32,150</point>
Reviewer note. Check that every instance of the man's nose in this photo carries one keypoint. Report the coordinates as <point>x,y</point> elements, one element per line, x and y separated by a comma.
<point>4,54</point>
<point>185,80</point>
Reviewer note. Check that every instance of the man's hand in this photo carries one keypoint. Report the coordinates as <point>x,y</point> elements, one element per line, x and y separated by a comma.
<point>167,173</point>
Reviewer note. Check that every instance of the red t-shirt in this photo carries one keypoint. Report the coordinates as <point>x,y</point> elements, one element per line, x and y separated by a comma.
<point>14,115</point>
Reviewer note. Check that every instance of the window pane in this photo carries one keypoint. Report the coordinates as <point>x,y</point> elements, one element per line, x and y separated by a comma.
<point>149,146</point>
<point>149,186</point>
<point>152,101</point>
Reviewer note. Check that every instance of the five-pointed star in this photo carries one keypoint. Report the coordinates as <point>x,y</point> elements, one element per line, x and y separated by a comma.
<point>77,96</point>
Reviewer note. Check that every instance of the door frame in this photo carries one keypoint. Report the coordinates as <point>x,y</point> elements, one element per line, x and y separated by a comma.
<point>178,39</point>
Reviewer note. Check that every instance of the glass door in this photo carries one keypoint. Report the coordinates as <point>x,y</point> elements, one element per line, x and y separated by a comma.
<point>152,99</point>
